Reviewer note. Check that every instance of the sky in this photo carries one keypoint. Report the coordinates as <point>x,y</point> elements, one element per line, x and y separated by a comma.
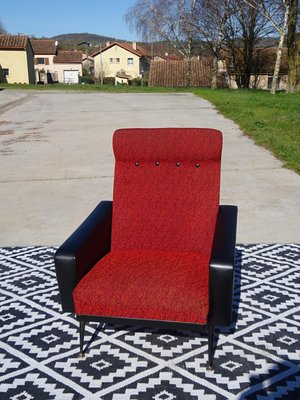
<point>51,18</point>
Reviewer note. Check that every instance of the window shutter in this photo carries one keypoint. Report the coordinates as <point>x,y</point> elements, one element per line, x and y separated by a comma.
<point>35,61</point>
<point>47,61</point>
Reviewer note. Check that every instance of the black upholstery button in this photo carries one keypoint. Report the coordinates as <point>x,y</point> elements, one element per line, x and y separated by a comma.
<point>178,164</point>
<point>197,165</point>
<point>137,164</point>
<point>157,163</point>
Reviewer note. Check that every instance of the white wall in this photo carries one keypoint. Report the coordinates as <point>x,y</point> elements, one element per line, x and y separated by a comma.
<point>60,68</point>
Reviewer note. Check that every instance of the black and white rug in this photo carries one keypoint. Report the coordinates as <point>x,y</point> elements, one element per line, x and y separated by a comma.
<point>257,358</point>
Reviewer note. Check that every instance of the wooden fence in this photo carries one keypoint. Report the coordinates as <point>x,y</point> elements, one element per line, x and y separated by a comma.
<point>173,73</point>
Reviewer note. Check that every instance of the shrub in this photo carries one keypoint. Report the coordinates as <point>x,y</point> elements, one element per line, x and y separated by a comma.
<point>109,80</point>
<point>86,79</point>
<point>138,82</point>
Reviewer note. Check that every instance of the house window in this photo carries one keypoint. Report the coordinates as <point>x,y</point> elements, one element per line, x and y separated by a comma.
<point>129,61</point>
<point>42,61</point>
<point>114,61</point>
<point>5,71</point>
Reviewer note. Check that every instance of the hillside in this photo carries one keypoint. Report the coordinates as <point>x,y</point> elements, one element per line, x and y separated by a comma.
<point>76,38</point>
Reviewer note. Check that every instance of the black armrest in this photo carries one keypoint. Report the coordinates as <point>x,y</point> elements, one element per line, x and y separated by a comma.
<point>78,254</point>
<point>221,271</point>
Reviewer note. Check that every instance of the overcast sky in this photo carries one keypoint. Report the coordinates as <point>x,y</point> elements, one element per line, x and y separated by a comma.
<point>54,17</point>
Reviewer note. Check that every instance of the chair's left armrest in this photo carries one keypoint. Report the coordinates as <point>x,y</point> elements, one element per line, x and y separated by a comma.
<point>79,253</point>
<point>221,271</point>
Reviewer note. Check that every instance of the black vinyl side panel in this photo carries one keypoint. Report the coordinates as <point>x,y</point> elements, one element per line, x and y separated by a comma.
<point>80,252</point>
<point>221,278</point>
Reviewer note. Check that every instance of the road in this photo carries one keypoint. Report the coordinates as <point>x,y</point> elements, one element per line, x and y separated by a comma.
<point>56,163</point>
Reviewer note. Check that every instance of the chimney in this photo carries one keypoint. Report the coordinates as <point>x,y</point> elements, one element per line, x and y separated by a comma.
<point>107,43</point>
<point>134,45</point>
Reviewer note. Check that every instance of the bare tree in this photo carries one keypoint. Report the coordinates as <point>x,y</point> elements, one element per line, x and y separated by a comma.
<point>293,47</point>
<point>244,30</point>
<point>168,20</point>
<point>210,19</point>
<point>2,29</point>
<point>277,13</point>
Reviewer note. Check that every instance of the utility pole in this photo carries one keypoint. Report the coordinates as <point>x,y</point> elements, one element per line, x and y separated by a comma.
<point>101,65</point>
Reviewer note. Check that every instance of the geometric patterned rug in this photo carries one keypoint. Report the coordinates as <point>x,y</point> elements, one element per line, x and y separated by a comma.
<point>256,358</point>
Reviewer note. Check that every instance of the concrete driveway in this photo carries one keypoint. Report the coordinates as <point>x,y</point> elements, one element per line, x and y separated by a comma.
<point>56,163</point>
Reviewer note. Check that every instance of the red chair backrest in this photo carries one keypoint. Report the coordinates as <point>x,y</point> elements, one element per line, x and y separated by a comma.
<point>166,189</point>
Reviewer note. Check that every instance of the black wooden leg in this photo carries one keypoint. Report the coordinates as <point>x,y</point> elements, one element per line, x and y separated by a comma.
<point>211,336</point>
<point>81,338</point>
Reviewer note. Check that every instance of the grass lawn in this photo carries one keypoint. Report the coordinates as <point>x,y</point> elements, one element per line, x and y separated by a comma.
<point>272,121</point>
<point>94,88</point>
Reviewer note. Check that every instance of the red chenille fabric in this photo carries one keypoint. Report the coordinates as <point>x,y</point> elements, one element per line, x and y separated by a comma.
<point>147,285</point>
<point>165,205</point>
<point>166,189</point>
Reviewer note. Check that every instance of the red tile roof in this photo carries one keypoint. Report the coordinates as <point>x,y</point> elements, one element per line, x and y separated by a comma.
<point>43,46</point>
<point>13,42</point>
<point>68,57</point>
<point>139,51</point>
<point>129,46</point>
<point>166,57</point>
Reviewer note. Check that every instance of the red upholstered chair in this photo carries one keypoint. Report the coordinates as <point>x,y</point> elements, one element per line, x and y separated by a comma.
<point>163,251</point>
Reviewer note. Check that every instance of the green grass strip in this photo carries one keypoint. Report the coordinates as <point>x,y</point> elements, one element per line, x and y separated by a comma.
<point>94,88</point>
<point>272,121</point>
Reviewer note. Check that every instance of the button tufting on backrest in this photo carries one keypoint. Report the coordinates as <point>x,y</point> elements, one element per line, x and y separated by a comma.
<point>157,163</point>
<point>151,203</point>
<point>137,164</point>
<point>197,165</point>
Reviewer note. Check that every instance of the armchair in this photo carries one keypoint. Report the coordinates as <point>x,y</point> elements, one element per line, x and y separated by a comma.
<point>162,253</point>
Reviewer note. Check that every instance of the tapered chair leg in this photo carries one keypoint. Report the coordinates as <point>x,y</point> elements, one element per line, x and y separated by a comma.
<point>81,338</point>
<point>211,337</point>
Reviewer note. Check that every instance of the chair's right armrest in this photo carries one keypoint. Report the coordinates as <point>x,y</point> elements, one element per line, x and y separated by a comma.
<point>80,252</point>
<point>221,271</point>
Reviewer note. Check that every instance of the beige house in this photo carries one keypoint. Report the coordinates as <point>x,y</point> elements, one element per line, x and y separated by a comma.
<point>16,59</point>
<point>68,66</point>
<point>262,70</point>
<point>44,52</point>
<point>123,60</point>
<point>53,65</point>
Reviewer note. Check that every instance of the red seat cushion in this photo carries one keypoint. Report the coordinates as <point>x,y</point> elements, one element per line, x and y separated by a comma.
<point>146,284</point>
